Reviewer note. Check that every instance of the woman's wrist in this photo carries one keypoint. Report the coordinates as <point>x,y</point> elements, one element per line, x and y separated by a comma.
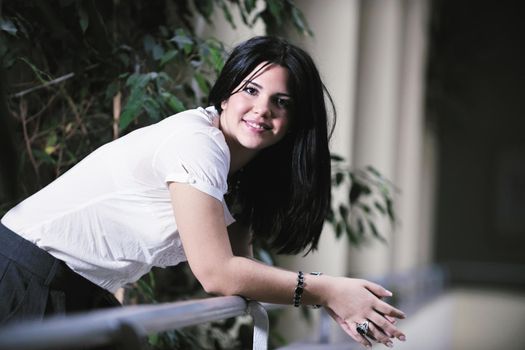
<point>316,289</point>
<point>300,287</point>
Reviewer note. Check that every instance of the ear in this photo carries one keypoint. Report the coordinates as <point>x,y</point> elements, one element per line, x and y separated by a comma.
<point>224,104</point>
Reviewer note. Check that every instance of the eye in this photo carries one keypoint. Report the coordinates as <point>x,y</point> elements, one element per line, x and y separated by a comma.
<point>250,90</point>
<point>282,102</point>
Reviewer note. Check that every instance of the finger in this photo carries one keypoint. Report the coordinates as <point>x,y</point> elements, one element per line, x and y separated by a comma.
<point>379,335</point>
<point>386,327</point>
<point>356,336</point>
<point>388,310</point>
<point>348,329</point>
<point>390,319</point>
<point>377,290</point>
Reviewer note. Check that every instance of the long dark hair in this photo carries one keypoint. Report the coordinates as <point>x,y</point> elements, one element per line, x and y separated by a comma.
<point>284,192</point>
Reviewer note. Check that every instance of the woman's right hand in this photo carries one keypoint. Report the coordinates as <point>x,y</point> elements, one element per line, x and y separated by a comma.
<point>352,301</point>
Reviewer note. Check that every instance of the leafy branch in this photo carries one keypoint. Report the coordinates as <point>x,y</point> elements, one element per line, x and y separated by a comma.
<point>368,197</point>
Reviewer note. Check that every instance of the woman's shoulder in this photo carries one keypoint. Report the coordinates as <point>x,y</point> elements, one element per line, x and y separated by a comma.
<point>199,118</point>
<point>193,131</point>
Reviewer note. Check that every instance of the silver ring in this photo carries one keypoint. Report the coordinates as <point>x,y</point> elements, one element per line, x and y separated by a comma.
<point>362,328</point>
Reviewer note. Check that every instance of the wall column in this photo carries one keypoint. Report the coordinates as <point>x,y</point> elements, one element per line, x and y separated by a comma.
<point>376,114</point>
<point>334,50</point>
<point>412,199</point>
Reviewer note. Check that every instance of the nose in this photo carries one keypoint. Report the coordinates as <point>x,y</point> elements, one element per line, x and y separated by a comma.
<point>262,107</point>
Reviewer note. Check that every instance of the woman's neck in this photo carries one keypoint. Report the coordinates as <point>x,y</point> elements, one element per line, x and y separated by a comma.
<point>239,156</point>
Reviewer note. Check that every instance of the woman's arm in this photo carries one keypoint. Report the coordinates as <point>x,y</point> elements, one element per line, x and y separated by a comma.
<point>200,220</point>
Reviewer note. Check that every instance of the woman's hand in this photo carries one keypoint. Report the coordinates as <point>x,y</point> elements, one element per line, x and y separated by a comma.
<point>354,301</point>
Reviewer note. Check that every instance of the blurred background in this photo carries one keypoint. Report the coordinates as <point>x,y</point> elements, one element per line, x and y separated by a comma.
<point>428,92</point>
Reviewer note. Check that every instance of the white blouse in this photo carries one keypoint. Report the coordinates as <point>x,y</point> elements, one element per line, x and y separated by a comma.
<point>109,218</point>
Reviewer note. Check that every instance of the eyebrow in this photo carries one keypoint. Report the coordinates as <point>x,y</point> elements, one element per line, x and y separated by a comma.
<point>261,87</point>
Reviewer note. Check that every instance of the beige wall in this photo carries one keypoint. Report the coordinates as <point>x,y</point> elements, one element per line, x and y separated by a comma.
<point>221,29</point>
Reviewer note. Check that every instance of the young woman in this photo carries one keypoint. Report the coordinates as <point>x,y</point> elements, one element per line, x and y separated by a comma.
<point>169,192</point>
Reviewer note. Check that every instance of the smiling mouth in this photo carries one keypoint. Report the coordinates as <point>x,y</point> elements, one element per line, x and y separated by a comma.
<point>257,126</point>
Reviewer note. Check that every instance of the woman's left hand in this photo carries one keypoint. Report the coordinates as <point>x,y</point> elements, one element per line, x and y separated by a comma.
<point>365,304</point>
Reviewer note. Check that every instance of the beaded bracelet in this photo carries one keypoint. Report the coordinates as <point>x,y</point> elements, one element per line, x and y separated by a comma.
<point>299,289</point>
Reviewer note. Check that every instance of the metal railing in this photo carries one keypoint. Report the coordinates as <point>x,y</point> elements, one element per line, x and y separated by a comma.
<point>126,327</point>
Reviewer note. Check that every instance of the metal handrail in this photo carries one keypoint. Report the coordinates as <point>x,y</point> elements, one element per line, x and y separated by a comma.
<point>127,325</point>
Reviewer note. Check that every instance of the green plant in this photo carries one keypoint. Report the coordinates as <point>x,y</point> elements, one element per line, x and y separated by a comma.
<point>368,197</point>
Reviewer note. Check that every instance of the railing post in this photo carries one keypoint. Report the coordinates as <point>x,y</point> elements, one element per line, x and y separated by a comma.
<point>127,337</point>
<point>260,325</point>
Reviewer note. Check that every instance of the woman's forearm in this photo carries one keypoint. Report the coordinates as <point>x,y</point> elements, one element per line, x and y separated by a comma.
<point>258,281</point>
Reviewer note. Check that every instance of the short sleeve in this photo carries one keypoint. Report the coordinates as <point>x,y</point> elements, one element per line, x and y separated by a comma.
<point>199,158</point>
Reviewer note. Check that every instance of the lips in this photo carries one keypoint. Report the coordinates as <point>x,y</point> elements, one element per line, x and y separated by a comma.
<point>257,126</point>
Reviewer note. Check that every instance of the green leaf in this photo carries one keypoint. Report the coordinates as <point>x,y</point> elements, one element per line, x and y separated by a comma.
<point>148,43</point>
<point>360,227</point>
<point>133,107</point>
<point>51,139</point>
<point>202,83</point>
<point>374,171</point>
<point>352,237</point>
<point>227,14</point>
<point>390,209</point>
<point>276,9</point>
<point>380,207</point>
<point>300,22</point>
<point>365,208</point>
<point>183,41</point>
<point>8,26</point>
<point>158,52</point>
<point>168,56</point>
<point>112,90</point>
<point>216,58</point>
<point>173,102</point>
<point>43,157</point>
<point>339,177</point>
<point>83,19</point>
<point>355,192</point>
<point>154,339</point>
<point>205,8</point>
<point>343,210</point>
<point>338,229</point>
<point>147,290</point>
<point>336,158</point>
<point>152,108</point>
<point>130,112</point>
<point>330,216</point>
<point>249,5</point>
<point>375,232</point>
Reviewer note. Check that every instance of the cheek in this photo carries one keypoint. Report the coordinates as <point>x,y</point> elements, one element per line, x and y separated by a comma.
<point>284,125</point>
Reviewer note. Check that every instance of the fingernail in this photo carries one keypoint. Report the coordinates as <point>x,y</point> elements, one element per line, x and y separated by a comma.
<point>389,344</point>
<point>389,292</point>
<point>402,338</point>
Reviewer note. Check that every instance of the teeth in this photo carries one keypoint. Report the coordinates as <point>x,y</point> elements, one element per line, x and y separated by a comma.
<point>255,125</point>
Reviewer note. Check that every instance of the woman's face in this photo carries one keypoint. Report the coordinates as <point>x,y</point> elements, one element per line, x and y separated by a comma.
<point>258,114</point>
